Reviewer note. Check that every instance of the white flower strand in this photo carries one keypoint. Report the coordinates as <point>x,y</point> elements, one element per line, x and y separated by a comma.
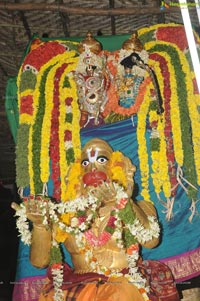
<point>142,234</point>
<point>23,225</point>
<point>57,282</point>
<point>134,276</point>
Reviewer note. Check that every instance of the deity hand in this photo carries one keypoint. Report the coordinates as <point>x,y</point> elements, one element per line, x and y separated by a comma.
<point>105,191</point>
<point>37,211</point>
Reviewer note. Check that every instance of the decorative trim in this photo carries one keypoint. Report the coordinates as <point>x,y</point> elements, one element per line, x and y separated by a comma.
<point>184,266</point>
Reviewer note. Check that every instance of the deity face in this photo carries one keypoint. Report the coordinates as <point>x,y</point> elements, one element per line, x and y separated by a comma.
<point>91,91</point>
<point>95,162</point>
<point>100,164</point>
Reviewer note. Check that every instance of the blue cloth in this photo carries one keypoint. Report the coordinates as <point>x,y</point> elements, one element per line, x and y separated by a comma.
<point>178,234</point>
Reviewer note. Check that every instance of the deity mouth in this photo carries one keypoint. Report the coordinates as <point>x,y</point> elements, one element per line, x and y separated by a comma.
<point>94,178</point>
<point>92,98</point>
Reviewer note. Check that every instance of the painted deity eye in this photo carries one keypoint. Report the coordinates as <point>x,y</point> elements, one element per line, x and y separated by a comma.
<point>34,70</point>
<point>87,61</point>
<point>85,163</point>
<point>102,159</point>
<point>27,67</point>
<point>91,82</point>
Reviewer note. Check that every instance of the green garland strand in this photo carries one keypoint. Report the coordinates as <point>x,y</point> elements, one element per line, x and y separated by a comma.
<point>188,160</point>
<point>22,171</point>
<point>36,138</point>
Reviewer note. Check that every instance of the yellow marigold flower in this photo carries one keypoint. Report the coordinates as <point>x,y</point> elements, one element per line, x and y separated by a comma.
<point>66,217</point>
<point>61,236</point>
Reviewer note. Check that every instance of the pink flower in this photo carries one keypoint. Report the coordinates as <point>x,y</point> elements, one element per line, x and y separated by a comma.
<point>122,203</point>
<point>104,237</point>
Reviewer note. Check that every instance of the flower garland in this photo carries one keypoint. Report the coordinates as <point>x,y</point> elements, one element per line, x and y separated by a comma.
<point>183,111</point>
<point>26,82</point>
<point>188,158</point>
<point>57,271</point>
<point>154,120</point>
<point>36,134</point>
<point>122,214</point>
<point>194,115</point>
<point>159,158</point>
<point>38,97</point>
<point>142,146</point>
<point>46,127</point>
<point>55,142</point>
<point>23,225</point>
<point>69,129</point>
<point>51,140</point>
<point>169,173</point>
<point>35,106</point>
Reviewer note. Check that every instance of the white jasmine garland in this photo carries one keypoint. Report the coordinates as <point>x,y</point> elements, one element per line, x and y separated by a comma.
<point>142,234</point>
<point>57,274</point>
<point>23,225</point>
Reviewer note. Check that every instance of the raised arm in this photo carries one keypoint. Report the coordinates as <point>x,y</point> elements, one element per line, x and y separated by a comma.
<point>145,212</point>
<point>41,234</point>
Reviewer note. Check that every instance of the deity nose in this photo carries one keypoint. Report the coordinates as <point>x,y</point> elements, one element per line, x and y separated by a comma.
<point>92,167</point>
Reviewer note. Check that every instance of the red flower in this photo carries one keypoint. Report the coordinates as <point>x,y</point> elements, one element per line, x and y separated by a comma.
<point>196,91</point>
<point>154,123</point>
<point>132,248</point>
<point>68,135</point>
<point>43,53</point>
<point>173,34</point>
<point>26,105</point>
<point>81,219</point>
<point>111,221</point>
<point>68,101</point>
<point>56,266</point>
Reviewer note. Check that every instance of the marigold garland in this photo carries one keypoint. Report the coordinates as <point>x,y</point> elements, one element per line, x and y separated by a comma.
<point>65,126</point>
<point>167,159</point>
<point>116,168</point>
<point>182,146</point>
<point>36,134</point>
<point>142,146</point>
<point>46,126</point>
<point>43,159</point>
<point>194,115</point>
<point>36,96</point>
